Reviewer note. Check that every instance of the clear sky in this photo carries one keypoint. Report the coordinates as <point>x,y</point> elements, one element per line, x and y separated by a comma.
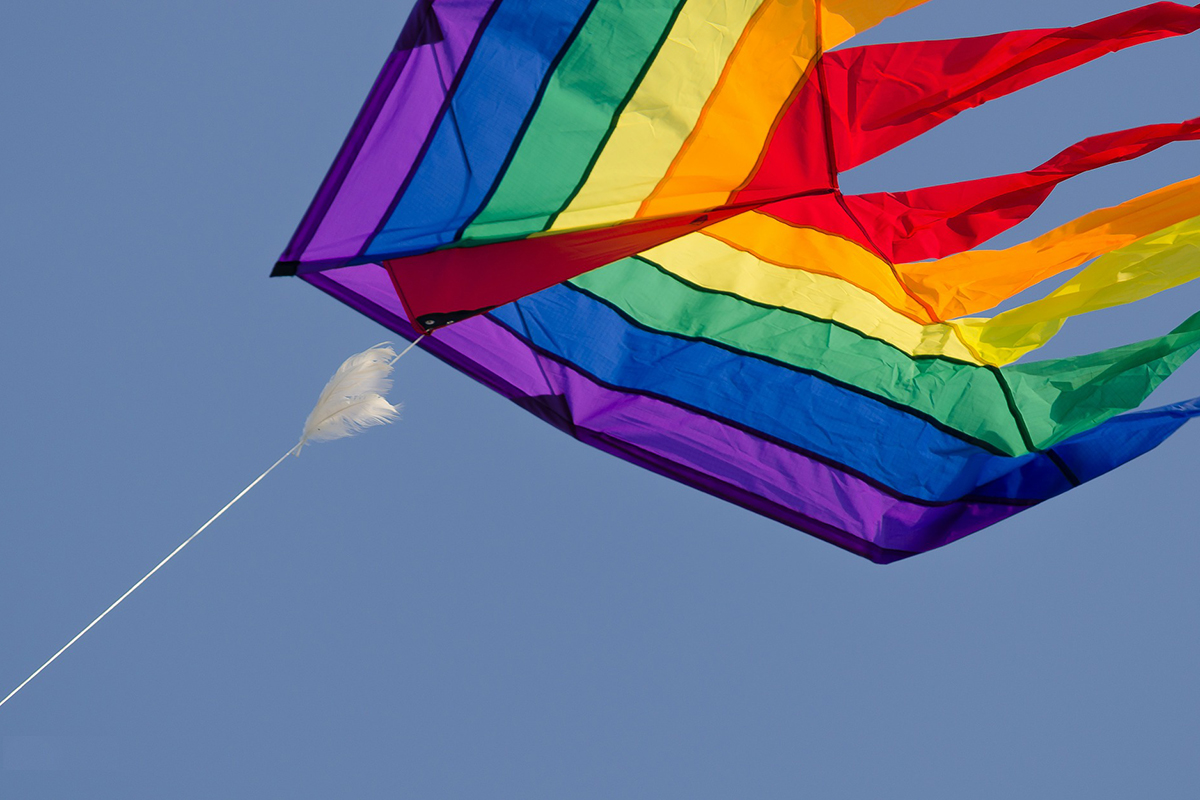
<point>469,603</point>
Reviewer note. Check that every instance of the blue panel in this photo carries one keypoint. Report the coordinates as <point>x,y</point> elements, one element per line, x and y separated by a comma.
<point>1123,438</point>
<point>1092,453</point>
<point>498,91</point>
<point>871,438</point>
<point>897,448</point>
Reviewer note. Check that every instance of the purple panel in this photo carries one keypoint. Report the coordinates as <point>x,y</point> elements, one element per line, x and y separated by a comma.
<point>706,453</point>
<point>390,132</point>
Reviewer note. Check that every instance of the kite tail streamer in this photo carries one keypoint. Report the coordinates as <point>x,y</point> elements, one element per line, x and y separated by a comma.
<point>351,401</point>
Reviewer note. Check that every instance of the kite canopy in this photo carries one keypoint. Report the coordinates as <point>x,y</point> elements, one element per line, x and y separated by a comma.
<point>631,214</point>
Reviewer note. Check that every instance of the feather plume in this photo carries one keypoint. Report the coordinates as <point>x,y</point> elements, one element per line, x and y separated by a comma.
<point>353,399</point>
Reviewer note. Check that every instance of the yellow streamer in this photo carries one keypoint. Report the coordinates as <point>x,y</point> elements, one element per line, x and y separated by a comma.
<point>974,281</point>
<point>791,268</point>
<point>1161,261</point>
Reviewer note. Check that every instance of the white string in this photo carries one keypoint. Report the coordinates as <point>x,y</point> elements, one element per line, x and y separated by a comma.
<point>174,552</point>
<point>405,350</point>
<point>147,576</point>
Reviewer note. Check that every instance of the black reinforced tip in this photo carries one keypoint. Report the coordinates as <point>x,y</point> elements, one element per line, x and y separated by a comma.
<point>428,323</point>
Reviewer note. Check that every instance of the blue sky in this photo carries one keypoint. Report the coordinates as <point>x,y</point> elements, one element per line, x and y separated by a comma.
<point>469,603</point>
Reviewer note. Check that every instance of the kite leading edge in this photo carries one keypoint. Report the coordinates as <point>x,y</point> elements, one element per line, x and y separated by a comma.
<point>627,219</point>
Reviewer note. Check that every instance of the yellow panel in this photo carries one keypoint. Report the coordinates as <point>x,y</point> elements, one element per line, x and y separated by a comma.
<point>764,71</point>
<point>712,264</point>
<point>825,276</point>
<point>768,66</point>
<point>817,251</point>
<point>694,128</point>
<point>661,114</point>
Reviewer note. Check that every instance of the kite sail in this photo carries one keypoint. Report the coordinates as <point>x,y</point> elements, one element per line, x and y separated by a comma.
<point>626,218</point>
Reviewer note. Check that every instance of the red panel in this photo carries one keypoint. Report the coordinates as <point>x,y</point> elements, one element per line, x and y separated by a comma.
<point>447,285</point>
<point>881,96</point>
<point>937,221</point>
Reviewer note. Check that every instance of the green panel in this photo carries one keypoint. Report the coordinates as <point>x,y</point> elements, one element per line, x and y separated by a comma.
<point>582,101</point>
<point>965,397</point>
<point>1056,398</point>
<point>1061,397</point>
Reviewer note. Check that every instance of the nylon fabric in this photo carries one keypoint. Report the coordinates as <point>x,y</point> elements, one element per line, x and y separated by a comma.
<point>626,217</point>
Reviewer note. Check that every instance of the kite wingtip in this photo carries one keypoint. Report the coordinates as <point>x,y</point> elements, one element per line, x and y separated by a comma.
<point>285,269</point>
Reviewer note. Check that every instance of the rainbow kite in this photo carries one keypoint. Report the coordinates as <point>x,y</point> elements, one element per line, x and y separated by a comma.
<point>625,217</point>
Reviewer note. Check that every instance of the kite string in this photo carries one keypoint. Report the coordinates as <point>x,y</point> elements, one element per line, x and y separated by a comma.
<point>148,574</point>
<point>175,552</point>
<point>413,344</point>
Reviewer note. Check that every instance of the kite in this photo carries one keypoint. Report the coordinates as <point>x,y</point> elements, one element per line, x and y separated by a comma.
<point>626,218</point>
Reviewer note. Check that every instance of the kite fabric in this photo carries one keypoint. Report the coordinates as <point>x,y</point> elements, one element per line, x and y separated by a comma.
<point>625,218</point>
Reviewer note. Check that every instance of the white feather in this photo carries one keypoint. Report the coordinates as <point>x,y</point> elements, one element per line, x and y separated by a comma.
<point>353,399</point>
